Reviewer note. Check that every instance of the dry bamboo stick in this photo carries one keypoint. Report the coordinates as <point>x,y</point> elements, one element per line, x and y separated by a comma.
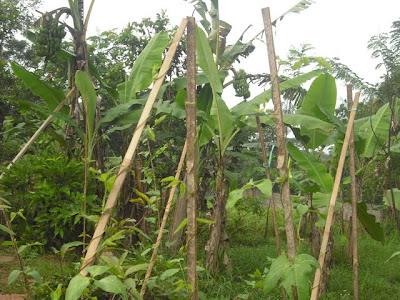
<point>163,223</point>
<point>281,137</point>
<point>352,164</point>
<point>191,178</point>
<point>327,230</point>
<point>39,131</point>
<point>112,198</point>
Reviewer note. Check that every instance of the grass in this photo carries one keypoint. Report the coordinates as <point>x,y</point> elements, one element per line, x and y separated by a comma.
<point>47,265</point>
<point>249,251</point>
<point>378,278</point>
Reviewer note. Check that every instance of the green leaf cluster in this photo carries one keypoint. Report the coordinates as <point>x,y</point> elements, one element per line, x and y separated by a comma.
<point>297,274</point>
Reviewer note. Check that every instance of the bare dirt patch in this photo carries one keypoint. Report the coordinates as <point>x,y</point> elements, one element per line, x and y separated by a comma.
<point>6,258</point>
<point>12,297</point>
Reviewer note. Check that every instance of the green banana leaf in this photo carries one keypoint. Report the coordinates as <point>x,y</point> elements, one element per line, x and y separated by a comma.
<point>315,170</point>
<point>320,96</point>
<point>51,96</point>
<point>375,131</point>
<point>322,93</point>
<point>233,52</point>
<point>89,100</point>
<point>368,221</point>
<point>387,198</point>
<point>308,122</point>
<point>144,69</point>
<point>253,106</point>
<point>205,61</point>
<point>121,110</point>
<point>222,118</point>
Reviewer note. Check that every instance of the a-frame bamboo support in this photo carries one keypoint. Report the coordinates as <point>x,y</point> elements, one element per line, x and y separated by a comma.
<point>331,210</point>
<point>123,171</point>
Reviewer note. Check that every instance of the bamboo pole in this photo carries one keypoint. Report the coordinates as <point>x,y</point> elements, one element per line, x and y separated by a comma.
<point>164,222</point>
<point>112,198</point>
<point>331,210</point>
<point>268,174</point>
<point>352,163</point>
<point>281,137</point>
<point>191,178</point>
<point>39,131</point>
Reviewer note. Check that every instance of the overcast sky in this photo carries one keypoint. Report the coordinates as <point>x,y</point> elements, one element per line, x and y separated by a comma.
<point>335,28</point>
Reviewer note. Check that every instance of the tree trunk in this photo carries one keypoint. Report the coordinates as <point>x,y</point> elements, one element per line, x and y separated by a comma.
<point>315,236</point>
<point>218,217</point>
<point>271,199</point>
<point>327,266</point>
<point>303,225</point>
<point>177,219</point>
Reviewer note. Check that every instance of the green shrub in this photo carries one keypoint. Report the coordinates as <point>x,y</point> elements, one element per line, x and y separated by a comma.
<point>49,191</point>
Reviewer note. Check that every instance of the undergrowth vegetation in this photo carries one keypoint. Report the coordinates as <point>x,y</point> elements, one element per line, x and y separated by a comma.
<point>251,255</point>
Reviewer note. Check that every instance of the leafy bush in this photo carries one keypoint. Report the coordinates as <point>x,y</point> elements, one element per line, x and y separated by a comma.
<point>48,189</point>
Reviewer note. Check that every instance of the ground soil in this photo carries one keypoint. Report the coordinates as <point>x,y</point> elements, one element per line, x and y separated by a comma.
<point>3,259</point>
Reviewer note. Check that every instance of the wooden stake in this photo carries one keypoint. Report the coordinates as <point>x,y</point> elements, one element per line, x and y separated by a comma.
<point>112,198</point>
<point>191,178</point>
<point>353,200</point>
<point>268,174</point>
<point>327,230</point>
<point>281,137</point>
<point>164,222</point>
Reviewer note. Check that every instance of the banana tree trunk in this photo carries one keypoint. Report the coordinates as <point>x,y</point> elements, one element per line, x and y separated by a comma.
<point>178,217</point>
<point>218,217</point>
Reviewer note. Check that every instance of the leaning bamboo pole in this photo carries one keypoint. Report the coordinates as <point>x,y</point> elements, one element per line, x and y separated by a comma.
<point>163,223</point>
<point>281,137</point>
<point>123,171</point>
<point>353,184</point>
<point>331,210</point>
<point>191,178</point>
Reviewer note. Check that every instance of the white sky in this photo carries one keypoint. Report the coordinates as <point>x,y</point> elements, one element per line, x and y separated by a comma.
<point>335,28</point>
